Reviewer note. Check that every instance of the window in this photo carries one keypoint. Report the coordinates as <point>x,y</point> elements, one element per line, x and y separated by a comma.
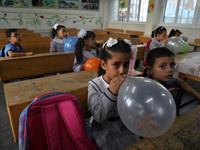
<point>182,12</point>
<point>129,10</point>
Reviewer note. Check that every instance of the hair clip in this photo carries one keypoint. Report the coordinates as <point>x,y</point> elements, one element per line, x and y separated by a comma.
<point>128,42</point>
<point>110,42</point>
<point>82,33</point>
<point>55,26</point>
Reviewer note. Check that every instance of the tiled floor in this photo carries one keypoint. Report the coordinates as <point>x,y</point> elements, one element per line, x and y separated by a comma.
<point>6,138</point>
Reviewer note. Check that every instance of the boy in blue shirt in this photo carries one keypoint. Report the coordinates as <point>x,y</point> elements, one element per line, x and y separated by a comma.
<point>14,49</point>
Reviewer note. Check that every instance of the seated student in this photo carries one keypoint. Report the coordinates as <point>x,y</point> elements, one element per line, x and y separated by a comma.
<point>158,40</point>
<point>14,49</point>
<point>177,33</point>
<point>59,36</point>
<point>160,67</point>
<point>85,49</point>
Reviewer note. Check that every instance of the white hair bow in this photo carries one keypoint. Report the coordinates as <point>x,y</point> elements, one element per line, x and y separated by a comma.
<point>55,26</point>
<point>82,33</point>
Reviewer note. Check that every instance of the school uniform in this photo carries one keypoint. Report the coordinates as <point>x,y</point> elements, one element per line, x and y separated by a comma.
<point>86,55</point>
<point>107,130</point>
<point>155,44</point>
<point>57,45</point>
<point>13,48</point>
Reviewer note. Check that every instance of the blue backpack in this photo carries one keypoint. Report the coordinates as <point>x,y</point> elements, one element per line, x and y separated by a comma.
<point>2,54</point>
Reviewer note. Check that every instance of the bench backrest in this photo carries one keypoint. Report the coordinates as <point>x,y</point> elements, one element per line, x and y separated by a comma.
<point>3,35</point>
<point>39,64</point>
<point>197,41</point>
<point>138,33</point>
<point>115,30</point>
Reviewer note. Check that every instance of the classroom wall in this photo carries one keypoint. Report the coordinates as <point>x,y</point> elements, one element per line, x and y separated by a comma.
<point>38,18</point>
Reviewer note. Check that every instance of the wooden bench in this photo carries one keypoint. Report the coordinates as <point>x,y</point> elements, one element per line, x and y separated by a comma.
<point>138,33</point>
<point>72,32</point>
<point>21,30</point>
<point>119,35</point>
<point>4,41</point>
<point>144,39</point>
<point>3,35</point>
<point>19,94</point>
<point>184,134</point>
<point>39,64</point>
<point>35,47</point>
<point>197,41</point>
<point>115,30</point>
<point>100,32</point>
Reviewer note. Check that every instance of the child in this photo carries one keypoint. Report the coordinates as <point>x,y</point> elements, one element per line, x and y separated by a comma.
<point>107,130</point>
<point>85,49</point>
<point>14,49</point>
<point>58,34</point>
<point>175,32</point>
<point>161,64</point>
<point>158,40</point>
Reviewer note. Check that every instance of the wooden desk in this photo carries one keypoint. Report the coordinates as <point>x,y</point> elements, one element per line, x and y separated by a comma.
<point>38,64</point>
<point>19,94</point>
<point>183,135</point>
<point>195,45</point>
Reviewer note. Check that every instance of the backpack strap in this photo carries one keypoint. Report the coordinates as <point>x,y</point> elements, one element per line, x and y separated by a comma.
<point>75,126</point>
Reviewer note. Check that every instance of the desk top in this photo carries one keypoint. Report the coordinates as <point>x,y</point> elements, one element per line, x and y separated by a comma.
<point>194,44</point>
<point>24,91</point>
<point>183,135</point>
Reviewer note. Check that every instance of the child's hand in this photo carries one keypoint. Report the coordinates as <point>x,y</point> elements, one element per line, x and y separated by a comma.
<point>146,123</point>
<point>29,53</point>
<point>164,41</point>
<point>115,84</point>
<point>81,67</point>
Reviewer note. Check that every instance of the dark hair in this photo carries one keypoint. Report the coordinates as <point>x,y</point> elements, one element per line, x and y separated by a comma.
<point>158,30</point>
<point>9,31</point>
<point>121,47</point>
<point>158,53</point>
<point>54,31</point>
<point>173,32</point>
<point>80,45</point>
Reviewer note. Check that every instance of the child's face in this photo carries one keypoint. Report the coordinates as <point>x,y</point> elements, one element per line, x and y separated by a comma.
<point>117,65</point>
<point>162,36</point>
<point>62,33</point>
<point>163,69</point>
<point>15,38</point>
<point>90,42</point>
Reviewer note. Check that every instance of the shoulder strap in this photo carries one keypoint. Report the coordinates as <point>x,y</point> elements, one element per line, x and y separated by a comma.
<point>75,126</point>
<point>2,51</point>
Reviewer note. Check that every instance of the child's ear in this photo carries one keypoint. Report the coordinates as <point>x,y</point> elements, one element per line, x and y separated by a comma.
<point>9,38</point>
<point>149,70</point>
<point>103,64</point>
<point>85,42</point>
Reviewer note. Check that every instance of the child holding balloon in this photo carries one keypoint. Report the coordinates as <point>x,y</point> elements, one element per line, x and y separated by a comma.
<point>58,34</point>
<point>85,49</point>
<point>107,130</point>
<point>161,65</point>
<point>158,40</point>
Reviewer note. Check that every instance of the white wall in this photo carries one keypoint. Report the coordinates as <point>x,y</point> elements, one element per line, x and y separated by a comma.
<point>33,18</point>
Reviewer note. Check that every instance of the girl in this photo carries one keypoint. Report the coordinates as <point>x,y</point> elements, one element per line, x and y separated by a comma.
<point>58,34</point>
<point>107,130</point>
<point>161,64</point>
<point>158,40</point>
<point>175,32</point>
<point>85,49</point>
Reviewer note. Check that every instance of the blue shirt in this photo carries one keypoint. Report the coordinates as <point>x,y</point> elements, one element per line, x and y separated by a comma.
<point>11,47</point>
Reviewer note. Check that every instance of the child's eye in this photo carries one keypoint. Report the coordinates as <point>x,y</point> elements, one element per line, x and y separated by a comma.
<point>126,64</point>
<point>116,65</point>
<point>163,66</point>
<point>172,65</point>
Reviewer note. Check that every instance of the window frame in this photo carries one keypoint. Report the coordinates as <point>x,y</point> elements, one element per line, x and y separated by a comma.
<point>128,14</point>
<point>196,18</point>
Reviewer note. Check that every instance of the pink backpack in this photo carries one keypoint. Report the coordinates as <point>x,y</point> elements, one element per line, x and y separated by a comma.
<point>53,121</point>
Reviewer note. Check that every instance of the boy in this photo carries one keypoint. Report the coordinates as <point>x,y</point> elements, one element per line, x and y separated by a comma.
<point>14,49</point>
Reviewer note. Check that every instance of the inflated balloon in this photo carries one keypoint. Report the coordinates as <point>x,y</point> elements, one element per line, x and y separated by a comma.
<point>92,63</point>
<point>70,43</point>
<point>145,106</point>
<point>177,45</point>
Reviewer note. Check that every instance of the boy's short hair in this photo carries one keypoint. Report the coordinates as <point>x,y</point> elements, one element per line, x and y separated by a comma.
<point>158,53</point>
<point>9,31</point>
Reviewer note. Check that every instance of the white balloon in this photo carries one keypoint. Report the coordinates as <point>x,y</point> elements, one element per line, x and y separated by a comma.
<point>145,106</point>
<point>175,44</point>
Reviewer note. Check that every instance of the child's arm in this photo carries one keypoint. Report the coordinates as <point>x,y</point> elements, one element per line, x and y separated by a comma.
<point>183,85</point>
<point>14,54</point>
<point>53,47</point>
